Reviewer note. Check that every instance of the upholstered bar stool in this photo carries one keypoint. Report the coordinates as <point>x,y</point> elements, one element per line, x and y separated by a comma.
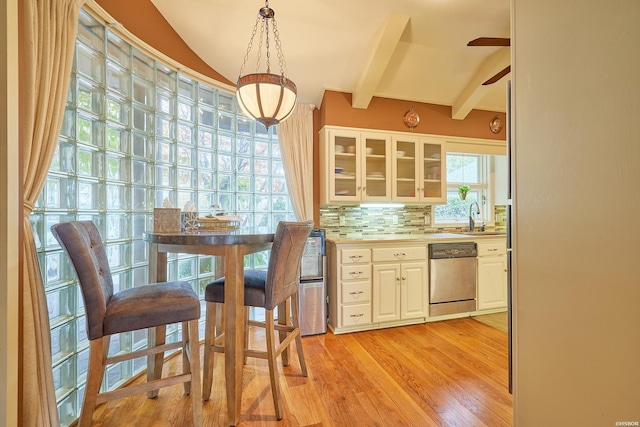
<point>140,307</point>
<point>267,289</point>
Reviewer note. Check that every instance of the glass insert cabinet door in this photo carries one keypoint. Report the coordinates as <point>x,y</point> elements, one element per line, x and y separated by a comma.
<point>433,171</point>
<point>406,168</point>
<point>376,168</point>
<point>417,170</point>
<point>344,169</point>
<point>358,166</point>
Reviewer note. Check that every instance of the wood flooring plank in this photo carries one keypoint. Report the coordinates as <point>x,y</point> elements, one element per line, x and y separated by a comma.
<point>465,384</point>
<point>394,391</point>
<point>427,386</point>
<point>449,373</point>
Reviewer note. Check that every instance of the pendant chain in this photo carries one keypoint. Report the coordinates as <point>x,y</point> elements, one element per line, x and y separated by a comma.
<point>264,38</point>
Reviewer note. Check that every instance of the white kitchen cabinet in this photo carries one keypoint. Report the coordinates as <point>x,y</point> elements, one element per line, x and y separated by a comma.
<point>386,292</point>
<point>400,287</point>
<point>355,166</point>
<point>374,285</point>
<point>375,166</point>
<point>492,275</point>
<point>418,170</point>
<point>349,288</point>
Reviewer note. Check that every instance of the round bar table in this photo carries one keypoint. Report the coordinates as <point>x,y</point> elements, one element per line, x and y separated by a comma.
<point>232,245</point>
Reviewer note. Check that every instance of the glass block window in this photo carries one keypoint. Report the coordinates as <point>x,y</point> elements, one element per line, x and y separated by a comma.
<point>136,132</point>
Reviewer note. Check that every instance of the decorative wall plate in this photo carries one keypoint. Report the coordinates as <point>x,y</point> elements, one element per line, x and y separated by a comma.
<point>495,125</point>
<point>411,119</point>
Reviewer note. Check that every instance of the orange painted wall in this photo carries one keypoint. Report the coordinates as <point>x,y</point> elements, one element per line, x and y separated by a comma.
<point>143,20</point>
<point>386,114</point>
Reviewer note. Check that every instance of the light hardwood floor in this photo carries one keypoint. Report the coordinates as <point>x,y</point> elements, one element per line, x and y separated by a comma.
<point>449,373</point>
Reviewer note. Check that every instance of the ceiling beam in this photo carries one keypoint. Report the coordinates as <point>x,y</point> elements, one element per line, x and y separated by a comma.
<point>379,56</point>
<point>475,91</point>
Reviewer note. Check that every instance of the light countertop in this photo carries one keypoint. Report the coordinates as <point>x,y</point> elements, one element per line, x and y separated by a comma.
<point>411,238</point>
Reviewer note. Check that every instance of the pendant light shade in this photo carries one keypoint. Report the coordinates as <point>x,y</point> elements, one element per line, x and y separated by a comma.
<point>268,98</point>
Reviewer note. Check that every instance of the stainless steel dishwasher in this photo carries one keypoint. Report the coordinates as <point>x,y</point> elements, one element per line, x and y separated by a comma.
<point>452,278</point>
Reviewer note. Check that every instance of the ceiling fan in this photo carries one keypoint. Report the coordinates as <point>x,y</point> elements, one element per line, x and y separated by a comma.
<point>494,42</point>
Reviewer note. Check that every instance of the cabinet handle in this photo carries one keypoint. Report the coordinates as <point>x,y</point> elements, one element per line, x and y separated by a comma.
<point>356,315</point>
<point>400,255</point>
<point>492,249</point>
<point>355,293</point>
<point>354,257</point>
<point>354,273</point>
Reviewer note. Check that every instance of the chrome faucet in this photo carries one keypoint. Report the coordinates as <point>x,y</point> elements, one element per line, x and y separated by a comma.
<point>472,225</point>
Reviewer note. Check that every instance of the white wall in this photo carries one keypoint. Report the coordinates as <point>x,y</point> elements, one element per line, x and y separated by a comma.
<point>9,213</point>
<point>576,88</point>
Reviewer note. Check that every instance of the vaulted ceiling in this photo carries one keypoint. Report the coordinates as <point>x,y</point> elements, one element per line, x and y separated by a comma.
<point>412,50</point>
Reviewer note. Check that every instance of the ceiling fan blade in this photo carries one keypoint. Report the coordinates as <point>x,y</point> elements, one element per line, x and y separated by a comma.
<point>498,76</point>
<point>490,41</point>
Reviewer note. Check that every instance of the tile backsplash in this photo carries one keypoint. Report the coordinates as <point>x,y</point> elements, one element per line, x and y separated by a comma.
<point>346,220</point>
<point>355,219</point>
<point>500,217</point>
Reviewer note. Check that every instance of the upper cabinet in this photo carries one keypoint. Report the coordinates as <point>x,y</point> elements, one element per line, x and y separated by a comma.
<point>356,166</point>
<point>417,173</point>
<point>372,166</point>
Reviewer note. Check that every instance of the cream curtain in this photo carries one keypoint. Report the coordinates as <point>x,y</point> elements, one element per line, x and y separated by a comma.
<point>296,144</point>
<point>47,43</point>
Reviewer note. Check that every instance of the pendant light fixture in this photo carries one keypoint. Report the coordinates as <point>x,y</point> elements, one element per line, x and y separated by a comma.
<point>268,98</point>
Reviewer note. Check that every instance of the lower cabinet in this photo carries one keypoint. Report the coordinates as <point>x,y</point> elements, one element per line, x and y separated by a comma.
<point>349,288</point>
<point>376,286</point>
<point>399,291</point>
<point>400,287</point>
<point>379,285</point>
<point>492,275</point>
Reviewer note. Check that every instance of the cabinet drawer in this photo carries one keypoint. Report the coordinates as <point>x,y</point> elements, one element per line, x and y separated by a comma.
<point>497,248</point>
<point>353,272</point>
<point>399,254</point>
<point>359,314</point>
<point>353,256</point>
<point>356,292</point>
